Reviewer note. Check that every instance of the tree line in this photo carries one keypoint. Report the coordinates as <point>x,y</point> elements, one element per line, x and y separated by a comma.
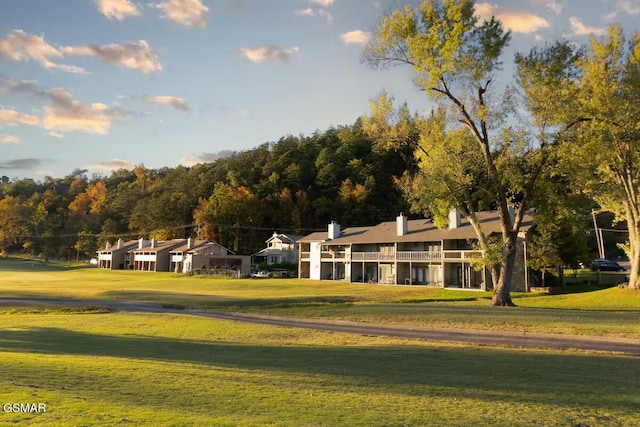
<point>297,185</point>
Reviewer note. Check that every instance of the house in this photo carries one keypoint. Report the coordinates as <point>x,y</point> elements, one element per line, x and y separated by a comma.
<point>178,255</point>
<point>195,254</point>
<point>117,256</point>
<point>411,252</point>
<point>279,248</point>
<point>154,255</point>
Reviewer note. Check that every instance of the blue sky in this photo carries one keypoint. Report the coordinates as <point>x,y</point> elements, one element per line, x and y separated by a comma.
<point>105,84</point>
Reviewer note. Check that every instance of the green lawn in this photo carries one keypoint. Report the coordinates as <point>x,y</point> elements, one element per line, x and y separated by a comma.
<point>91,366</point>
<point>172,369</point>
<point>587,310</point>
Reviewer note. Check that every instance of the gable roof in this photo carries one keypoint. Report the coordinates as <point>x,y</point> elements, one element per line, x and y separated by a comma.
<point>125,246</point>
<point>160,246</point>
<point>287,238</point>
<point>418,230</point>
<point>198,245</point>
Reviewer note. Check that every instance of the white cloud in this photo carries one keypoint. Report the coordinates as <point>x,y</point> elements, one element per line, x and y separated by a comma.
<point>54,134</point>
<point>265,53</point>
<point>113,164</point>
<point>319,13</point>
<point>516,21</point>
<point>66,114</point>
<point>324,3</point>
<point>171,101</point>
<point>305,12</point>
<point>11,117</point>
<point>206,157</point>
<point>355,37</point>
<point>191,13</point>
<point>29,163</point>
<point>9,139</point>
<point>137,56</point>
<point>630,7</point>
<point>579,29</point>
<point>20,46</point>
<point>553,5</point>
<point>117,9</point>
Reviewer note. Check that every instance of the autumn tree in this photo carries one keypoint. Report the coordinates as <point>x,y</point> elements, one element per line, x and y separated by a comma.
<point>604,158</point>
<point>467,152</point>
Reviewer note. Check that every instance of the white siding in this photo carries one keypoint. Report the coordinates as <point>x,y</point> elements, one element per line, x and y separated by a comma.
<point>314,257</point>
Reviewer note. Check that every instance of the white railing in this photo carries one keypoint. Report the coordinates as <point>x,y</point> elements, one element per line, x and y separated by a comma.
<point>465,254</point>
<point>333,255</point>
<point>305,255</point>
<point>419,256</point>
<point>399,256</point>
<point>372,256</point>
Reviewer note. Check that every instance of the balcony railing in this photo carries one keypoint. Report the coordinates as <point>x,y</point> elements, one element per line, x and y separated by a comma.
<point>462,254</point>
<point>333,255</point>
<point>371,256</point>
<point>419,256</point>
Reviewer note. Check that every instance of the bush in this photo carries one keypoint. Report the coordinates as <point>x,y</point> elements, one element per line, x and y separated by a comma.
<point>284,265</point>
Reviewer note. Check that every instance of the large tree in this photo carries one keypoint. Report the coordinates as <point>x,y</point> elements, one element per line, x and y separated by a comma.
<point>468,153</point>
<point>605,156</point>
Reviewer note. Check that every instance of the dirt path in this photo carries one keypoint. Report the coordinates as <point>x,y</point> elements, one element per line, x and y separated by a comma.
<point>474,336</point>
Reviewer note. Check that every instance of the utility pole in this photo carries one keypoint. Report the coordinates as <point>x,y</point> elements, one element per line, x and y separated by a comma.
<point>598,231</point>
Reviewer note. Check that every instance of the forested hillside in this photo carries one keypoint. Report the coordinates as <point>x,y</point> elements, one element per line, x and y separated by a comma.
<point>297,184</point>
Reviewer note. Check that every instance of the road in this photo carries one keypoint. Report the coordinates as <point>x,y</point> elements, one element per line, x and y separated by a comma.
<point>473,336</point>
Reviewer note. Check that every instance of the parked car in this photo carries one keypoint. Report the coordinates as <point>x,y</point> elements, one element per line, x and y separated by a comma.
<point>260,274</point>
<point>602,264</point>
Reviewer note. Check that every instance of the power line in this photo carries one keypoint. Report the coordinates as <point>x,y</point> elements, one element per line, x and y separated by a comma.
<point>137,234</point>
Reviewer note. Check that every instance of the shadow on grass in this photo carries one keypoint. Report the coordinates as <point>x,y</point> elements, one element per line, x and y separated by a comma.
<point>567,289</point>
<point>464,372</point>
<point>444,298</point>
<point>212,301</point>
<point>39,265</point>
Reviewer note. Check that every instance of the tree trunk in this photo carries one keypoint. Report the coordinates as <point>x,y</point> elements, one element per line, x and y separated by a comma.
<point>502,289</point>
<point>633,225</point>
<point>634,258</point>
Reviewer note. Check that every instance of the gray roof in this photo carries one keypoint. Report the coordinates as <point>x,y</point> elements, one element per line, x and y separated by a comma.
<point>126,246</point>
<point>290,238</point>
<point>197,245</point>
<point>418,230</point>
<point>161,246</point>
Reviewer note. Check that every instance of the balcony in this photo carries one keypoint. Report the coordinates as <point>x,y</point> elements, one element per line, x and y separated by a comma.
<point>371,256</point>
<point>419,256</point>
<point>333,255</point>
<point>463,255</point>
<point>305,256</point>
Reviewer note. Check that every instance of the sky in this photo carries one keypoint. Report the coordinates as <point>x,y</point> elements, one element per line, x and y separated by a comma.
<point>108,84</point>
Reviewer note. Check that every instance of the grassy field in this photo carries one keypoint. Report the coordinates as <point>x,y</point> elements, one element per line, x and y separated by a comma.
<point>91,366</point>
<point>587,310</point>
<point>168,370</point>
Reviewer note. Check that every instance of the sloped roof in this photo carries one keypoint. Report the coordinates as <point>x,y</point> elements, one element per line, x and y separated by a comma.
<point>288,238</point>
<point>197,245</point>
<point>161,245</point>
<point>126,246</point>
<point>418,230</point>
